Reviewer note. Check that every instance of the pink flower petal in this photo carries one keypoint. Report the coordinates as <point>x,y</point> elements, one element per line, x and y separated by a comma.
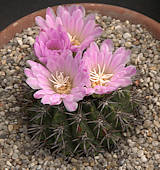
<point>50,17</point>
<point>90,91</point>
<point>89,17</point>
<point>121,56</point>
<point>38,68</point>
<point>131,71</point>
<point>107,46</point>
<point>73,8</point>
<point>50,42</point>
<point>37,50</point>
<point>55,99</point>
<point>50,12</point>
<point>43,82</point>
<point>28,72</point>
<point>51,99</point>
<point>41,22</point>
<point>78,93</point>
<point>71,106</point>
<point>121,82</point>
<point>32,82</point>
<point>88,28</point>
<point>40,93</point>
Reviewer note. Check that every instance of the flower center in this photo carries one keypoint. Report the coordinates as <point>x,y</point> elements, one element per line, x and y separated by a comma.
<point>98,77</point>
<point>51,45</point>
<point>60,83</point>
<point>73,39</point>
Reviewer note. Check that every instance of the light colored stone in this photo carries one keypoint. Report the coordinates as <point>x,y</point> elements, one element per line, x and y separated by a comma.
<point>20,42</point>
<point>74,160</point>
<point>156,86</point>
<point>134,150</point>
<point>10,128</point>
<point>147,123</point>
<point>150,167</point>
<point>118,28</point>
<point>15,156</point>
<point>157,156</point>
<point>8,163</point>
<point>131,143</point>
<point>128,44</point>
<point>157,123</point>
<point>31,40</point>
<point>155,143</point>
<point>88,168</point>
<point>126,35</point>
<point>143,158</point>
<point>140,153</point>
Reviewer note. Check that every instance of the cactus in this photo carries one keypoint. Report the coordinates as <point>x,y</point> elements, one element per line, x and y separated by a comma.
<point>95,126</point>
<point>80,73</point>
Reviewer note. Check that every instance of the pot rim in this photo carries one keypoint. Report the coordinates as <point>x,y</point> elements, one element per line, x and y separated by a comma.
<point>110,10</point>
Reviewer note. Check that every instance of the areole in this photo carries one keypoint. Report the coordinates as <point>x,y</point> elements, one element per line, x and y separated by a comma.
<point>104,9</point>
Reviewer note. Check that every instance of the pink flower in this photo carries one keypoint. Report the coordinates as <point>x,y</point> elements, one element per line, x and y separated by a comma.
<point>107,71</point>
<point>51,21</point>
<point>81,30</point>
<point>61,80</point>
<point>50,42</point>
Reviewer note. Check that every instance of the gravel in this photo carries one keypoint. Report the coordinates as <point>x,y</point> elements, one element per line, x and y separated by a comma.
<point>139,150</point>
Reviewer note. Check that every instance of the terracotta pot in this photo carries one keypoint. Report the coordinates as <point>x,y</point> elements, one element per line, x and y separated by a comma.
<point>109,10</point>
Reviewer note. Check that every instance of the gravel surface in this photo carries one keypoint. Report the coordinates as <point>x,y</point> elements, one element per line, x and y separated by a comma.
<point>138,151</point>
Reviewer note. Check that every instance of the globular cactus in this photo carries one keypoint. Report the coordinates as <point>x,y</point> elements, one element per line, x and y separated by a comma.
<point>76,115</point>
<point>95,126</point>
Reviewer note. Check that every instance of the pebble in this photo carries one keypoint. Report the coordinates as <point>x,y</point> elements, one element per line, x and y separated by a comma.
<point>156,86</point>
<point>143,158</point>
<point>147,124</point>
<point>157,123</point>
<point>150,167</point>
<point>140,153</point>
<point>157,156</point>
<point>8,163</point>
<point>126,35</point>
<point>128,44</point>
<point>118,27</point>
<point>155,143</point>
<point>15,156</point>
<point>20,42</point>
<point>134,150</point>
<point>31,40</point>
<point>10,128</point>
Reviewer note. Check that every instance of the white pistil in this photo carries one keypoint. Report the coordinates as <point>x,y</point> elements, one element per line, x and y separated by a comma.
<point>59,80</point>
<point>98,77</point>
<point>73,39</point>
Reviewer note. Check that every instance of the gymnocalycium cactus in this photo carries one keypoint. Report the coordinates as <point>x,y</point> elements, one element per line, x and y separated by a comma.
<point>85,99</point>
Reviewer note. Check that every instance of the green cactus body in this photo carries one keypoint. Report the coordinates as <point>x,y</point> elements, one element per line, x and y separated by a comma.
<point>62,135</point>
<point>96,125</point>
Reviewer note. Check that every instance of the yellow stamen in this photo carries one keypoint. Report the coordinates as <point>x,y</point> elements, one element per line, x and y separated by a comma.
<point>61,84</point>
<point>98,77</point>
<point>74,39</point>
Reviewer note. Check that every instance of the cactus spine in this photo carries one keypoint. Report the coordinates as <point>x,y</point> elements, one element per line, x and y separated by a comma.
<point>95,126</point>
